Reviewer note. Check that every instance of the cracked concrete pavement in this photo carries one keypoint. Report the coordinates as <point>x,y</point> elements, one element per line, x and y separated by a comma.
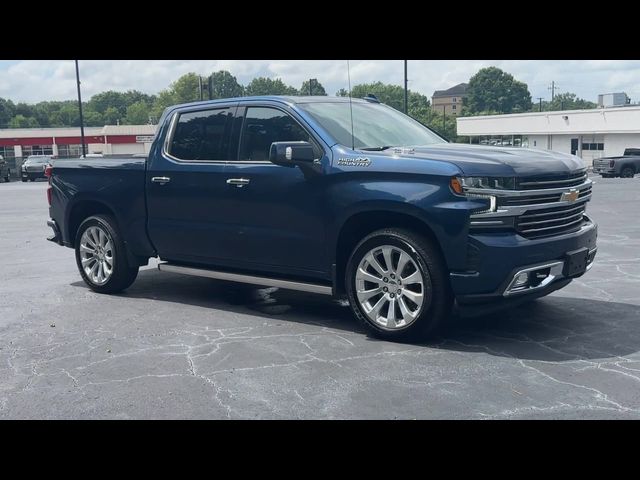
<point>179,347</point>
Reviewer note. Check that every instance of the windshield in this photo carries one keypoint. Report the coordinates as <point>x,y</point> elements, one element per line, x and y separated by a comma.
<point>374,125</point>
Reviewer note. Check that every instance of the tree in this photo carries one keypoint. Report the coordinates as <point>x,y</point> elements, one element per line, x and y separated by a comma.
<point>567,101</point>
<point>111,116</point>
<point>317,88</point>
<point>392,95</point>
<point>343,92</point>
<point>268,86</point>
<point>20,121</point>
<point>492,89</point>
<point>225,85</point>
<point>7,111</point>
<point>185,89</point>
<point>92,119</point>
<point>70,115</point>
<point>100,102</point>
<point>137,114</point>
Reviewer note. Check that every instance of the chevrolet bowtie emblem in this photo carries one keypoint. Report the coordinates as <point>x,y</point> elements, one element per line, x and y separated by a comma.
<point>570,196</point>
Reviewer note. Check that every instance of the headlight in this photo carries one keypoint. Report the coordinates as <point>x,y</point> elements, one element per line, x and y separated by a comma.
<point>472,187</point>
<point>492,183</point>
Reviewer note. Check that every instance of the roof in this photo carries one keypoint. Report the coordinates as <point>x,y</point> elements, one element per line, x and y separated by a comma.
<point>459,89</point>
<point>567,122</point>
<point>48,132</point>
<point>128,130</point>
<point>75,131</point>
<point>278,98</point>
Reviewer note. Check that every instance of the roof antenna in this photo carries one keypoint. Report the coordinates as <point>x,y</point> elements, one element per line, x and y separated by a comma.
<point>353,140</point>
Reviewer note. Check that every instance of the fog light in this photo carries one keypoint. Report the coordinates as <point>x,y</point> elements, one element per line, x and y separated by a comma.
<point>521,280</point>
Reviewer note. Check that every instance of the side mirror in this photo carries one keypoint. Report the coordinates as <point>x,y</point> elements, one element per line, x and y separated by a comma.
<point>289,154</point>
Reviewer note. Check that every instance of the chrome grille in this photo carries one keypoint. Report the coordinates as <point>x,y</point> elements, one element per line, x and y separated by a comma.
<point>568,180</point>
<point>550,221</point>
<point>601,163</point>
<point>539,198</point>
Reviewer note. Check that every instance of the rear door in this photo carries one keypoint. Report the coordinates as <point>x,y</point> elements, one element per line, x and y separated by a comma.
<point>186,182</point>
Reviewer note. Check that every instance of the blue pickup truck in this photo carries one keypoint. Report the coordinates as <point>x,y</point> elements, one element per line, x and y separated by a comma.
<point>335,197</point>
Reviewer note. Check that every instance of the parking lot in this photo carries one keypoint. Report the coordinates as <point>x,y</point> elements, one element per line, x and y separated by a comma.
<point>182,347</point>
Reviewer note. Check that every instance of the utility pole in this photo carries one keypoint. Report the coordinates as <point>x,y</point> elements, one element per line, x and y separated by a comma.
<point>200,87</point>
<point>210,86</point>
<point>444,118</point>
<point>540,98</point>
<point>406,90</point>
<point>553,90</point>
<point>84,148</point>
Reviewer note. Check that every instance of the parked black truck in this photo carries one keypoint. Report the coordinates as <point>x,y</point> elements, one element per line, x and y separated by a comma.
<point>625,166</point>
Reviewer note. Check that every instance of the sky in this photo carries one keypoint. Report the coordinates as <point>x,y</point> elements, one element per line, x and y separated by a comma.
<point>38,80</point>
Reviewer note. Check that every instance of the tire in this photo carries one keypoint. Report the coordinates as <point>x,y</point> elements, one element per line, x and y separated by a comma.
<point>424,259</point>
<point>627,172</point>
<point>122,274</point>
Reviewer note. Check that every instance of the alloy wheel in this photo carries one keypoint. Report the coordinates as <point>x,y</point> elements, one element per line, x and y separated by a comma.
<point>390,287</point>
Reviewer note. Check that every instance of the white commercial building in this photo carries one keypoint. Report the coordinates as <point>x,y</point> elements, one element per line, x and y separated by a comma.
<point>595,133</point>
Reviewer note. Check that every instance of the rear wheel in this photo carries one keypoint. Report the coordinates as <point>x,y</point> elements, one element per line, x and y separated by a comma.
<point>397,285</point>
<point>627,172</point>
<point>101,256</point>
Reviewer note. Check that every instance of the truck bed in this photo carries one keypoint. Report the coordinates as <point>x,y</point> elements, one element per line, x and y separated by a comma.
<point>117,182</point>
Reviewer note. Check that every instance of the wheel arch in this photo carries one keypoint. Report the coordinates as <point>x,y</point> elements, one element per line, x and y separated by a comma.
<point>360,224</point>
<point>80,211</point>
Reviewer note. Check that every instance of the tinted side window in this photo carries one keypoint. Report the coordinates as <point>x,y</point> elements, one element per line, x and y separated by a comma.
<point>202,135</point>
<point>263,126</point>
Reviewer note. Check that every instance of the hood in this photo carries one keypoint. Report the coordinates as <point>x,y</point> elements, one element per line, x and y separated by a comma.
<point>497,161</point>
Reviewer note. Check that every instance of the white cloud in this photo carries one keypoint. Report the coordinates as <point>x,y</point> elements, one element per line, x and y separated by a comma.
<point>33,81</point>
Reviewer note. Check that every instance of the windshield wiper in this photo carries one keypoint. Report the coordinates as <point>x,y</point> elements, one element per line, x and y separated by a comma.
<point>377,149</point>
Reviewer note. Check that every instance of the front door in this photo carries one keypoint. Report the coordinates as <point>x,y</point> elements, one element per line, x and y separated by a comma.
<point>274,213</point>
<point>186,185</point>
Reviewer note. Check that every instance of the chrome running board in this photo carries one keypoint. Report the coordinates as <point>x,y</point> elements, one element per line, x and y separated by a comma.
<point>237,277</point>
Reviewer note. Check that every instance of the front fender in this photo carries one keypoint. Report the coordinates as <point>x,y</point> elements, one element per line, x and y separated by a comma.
<point>431,203</point>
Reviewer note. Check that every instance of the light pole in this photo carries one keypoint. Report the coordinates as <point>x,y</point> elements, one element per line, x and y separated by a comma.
<point>84,150</point>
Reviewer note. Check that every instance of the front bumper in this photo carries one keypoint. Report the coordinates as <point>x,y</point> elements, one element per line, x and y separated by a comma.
<point>499,258</point>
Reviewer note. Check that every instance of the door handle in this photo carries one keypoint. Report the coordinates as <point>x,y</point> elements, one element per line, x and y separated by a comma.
<point>160,180</point>
<point>238,182</point>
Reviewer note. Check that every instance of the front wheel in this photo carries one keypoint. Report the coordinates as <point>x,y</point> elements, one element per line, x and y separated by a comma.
<point>397,285</point>
<point>101,256</point>
<point>627,172</point>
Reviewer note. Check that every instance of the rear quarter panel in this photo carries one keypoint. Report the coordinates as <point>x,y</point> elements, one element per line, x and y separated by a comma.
<point>118,184</point>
